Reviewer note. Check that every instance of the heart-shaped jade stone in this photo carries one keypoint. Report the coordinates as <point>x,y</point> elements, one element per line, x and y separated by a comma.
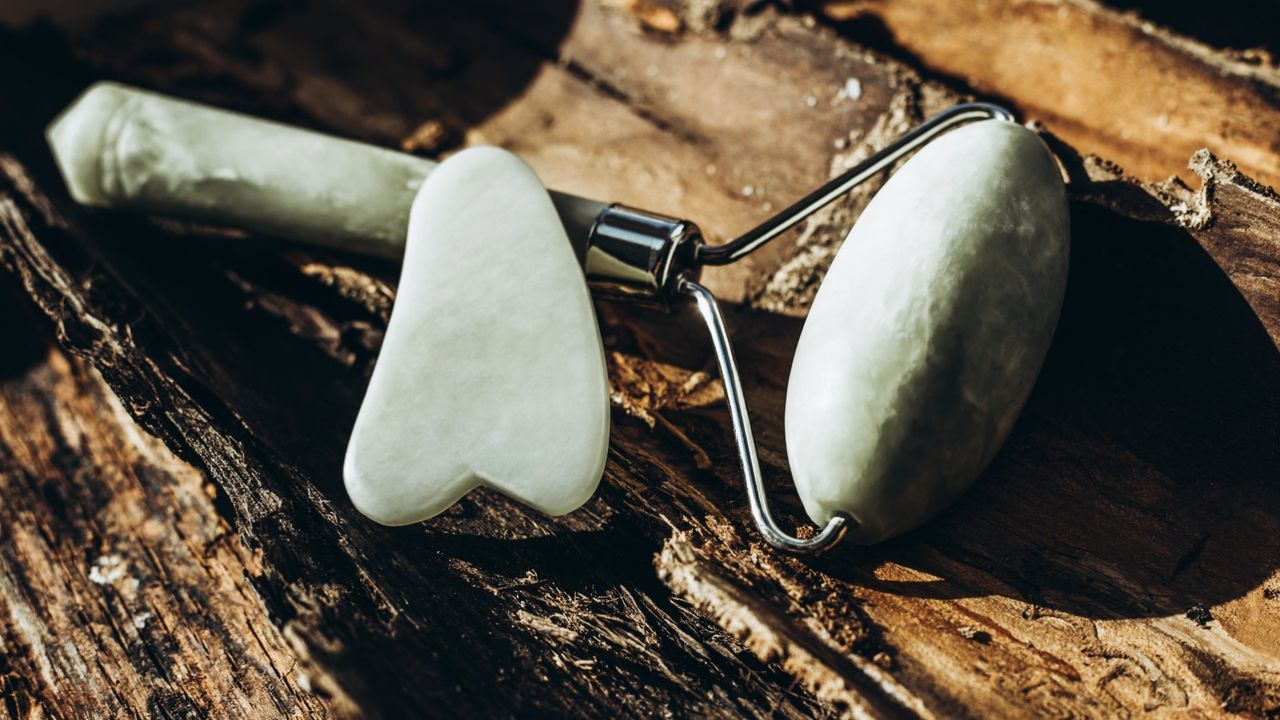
<point>928,332</point>
<point>491,372</point>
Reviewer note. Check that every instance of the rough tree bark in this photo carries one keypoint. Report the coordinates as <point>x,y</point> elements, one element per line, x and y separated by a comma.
<point>1119,557</point>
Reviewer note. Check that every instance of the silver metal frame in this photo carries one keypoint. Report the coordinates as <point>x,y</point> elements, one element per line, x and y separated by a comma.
<point>835,530</point>
<point>640,255</point>
<point>634,255</point>
<point>661,276</point>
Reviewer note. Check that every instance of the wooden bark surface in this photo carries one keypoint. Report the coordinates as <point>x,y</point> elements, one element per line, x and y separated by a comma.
<point>1119,557</point>
<point>125,593</point>
<point>1114,84</point>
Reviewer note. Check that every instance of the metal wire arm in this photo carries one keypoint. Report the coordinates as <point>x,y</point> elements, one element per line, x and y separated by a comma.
<point>775,536</point>
<point>846,181</point>
<point>730,252</point>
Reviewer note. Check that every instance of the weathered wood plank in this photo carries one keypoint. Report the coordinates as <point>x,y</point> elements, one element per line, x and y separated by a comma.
<point>1111,83</point>
<point>123,592</point>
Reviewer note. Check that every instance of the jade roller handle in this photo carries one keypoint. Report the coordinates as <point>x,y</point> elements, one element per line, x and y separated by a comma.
<point>124,148</point>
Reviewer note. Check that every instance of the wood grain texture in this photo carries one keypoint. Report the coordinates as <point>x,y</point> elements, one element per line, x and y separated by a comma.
<point>1118,558</point>
<point>123,592</point>
<point>1111,83</point>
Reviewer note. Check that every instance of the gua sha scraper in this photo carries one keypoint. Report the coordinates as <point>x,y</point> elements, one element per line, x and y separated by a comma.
<point>920,349</point>
<point>491,371</point>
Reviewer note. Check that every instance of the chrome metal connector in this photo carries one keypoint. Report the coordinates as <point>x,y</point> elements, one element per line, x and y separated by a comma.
<point>638,256</point>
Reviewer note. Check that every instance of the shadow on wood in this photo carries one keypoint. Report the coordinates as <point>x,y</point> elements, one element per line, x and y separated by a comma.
<point>1141,479</point>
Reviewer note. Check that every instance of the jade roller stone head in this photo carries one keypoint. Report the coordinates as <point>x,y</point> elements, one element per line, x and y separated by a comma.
<point>928,331</point>
<point>919,351</point>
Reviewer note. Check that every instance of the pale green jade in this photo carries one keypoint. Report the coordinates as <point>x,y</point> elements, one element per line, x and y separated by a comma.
<point>129,149</point>
<point>492,371</point>
<point>919,351</point>
<point>928,331</point>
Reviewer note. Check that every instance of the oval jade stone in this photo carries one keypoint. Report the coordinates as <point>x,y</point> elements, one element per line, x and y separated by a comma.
<point>929,329</point>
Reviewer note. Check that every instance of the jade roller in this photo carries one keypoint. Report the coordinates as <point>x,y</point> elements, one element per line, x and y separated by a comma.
<point>920,348</point>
